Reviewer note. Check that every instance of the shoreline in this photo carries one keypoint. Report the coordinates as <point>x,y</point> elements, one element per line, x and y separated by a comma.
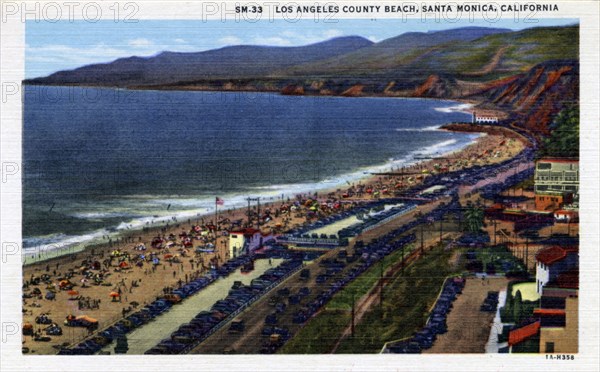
<point>125,235</point>
<point>168,222</point>
<point>363,175</point>
<point>66,244</point>
<point>150,283</point>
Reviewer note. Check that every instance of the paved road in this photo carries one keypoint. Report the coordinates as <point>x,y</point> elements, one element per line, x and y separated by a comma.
<point>150,334</point>
<point>250,341</point>
<point>468,327</point>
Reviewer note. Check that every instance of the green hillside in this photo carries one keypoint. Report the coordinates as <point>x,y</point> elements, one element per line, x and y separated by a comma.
<point>490,56</point>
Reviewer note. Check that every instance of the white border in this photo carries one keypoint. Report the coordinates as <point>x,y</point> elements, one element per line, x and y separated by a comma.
<point>12,62</point>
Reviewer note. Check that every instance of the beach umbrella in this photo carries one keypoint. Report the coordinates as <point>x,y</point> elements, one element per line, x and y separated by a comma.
<point>168,255</point>
<point>113,294</point>
<point>123,265</point>
<point>73,292</point>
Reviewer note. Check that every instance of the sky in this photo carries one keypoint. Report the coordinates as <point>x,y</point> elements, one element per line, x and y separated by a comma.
<point>51,47</point>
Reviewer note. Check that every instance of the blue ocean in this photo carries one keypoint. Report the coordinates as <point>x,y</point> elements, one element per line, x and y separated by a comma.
<point>98,161</point>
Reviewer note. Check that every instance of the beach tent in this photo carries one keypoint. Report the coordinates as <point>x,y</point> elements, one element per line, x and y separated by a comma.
<point>65,284</point>
<point>86,319</point>
<point>81,321</point>
<point>50,295</point>
<point>27,329</point>
<point>123,265</point>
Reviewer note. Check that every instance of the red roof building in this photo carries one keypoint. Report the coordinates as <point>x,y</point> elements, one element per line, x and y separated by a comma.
<point>519,335</point>
<point>549,312</point>
<point>553,262</point>
<point>551,255</point>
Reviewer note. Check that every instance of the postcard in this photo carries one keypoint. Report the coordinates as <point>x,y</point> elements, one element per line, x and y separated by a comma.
<point>299,185</point>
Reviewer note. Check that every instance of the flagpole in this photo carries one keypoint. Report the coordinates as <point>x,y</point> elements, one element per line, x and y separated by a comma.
<point>216,206</point>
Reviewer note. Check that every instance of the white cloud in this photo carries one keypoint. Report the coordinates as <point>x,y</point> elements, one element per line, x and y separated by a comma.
<point>230,40</point>
<point>330,34</point>
<point>272,41</point>
<point>56,53</point>
<point>140,42</point>
<point>374,39</point>
<point>180,41</point>
<point>288,33</point>
<point>293,38</point>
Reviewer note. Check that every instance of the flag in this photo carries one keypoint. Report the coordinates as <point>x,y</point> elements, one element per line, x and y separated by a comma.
<point>219,201</point>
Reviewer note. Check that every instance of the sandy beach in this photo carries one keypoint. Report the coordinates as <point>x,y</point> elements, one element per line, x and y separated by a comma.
<point>139,285</point>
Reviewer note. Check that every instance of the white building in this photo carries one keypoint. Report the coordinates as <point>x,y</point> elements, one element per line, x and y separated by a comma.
<point>477,119</point>
<point>553,261</point>
<point>246,241</point>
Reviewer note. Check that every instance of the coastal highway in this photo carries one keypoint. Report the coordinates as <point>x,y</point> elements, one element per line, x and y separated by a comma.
<point>150,334</point>
<point>250,341</point>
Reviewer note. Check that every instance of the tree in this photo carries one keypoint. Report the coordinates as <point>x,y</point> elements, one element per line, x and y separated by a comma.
<point>517,307</point>
<point>564,134</point>
<point>473,218</point>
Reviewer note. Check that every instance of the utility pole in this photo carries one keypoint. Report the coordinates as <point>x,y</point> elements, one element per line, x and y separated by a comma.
<point>403,259</point>
<point>422,242</point>
<point>495,232</point>
<point>257,200</point>
<point>353,304</point>
<point>381,288</point>
<point>258,211</point>
<point>441,228</point>
<point>249,220</point>
<point>526,253</point>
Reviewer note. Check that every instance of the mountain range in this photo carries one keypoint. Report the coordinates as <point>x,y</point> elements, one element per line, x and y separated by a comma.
<point>498,68</point>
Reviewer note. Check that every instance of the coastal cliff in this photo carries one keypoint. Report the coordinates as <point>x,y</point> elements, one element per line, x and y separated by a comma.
<point>529,75</point>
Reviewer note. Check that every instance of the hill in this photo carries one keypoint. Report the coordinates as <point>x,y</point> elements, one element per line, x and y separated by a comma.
<point>244,61</point>
<point>530,74</point>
